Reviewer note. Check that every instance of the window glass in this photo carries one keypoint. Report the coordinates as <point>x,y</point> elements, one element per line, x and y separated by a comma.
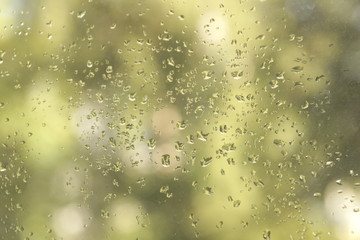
<point>232,119</point>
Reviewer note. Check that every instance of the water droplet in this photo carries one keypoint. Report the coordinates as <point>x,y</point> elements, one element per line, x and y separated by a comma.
<point>171,62</point>
<point>181,125</point>
<point>132,97</point>
<point>165,160</point>
<point>105,214</point>
<point>2,168</point>
<point>279,142</point>
<point>223,129</point>
<point>207,74</point>
<point>260,37</point>
<point>81,14</point>
<point>253,158</point>
<point>302,178</point>
<point>179,146</point>
<point>89,64</point>
<point>237,74</point>
<point>266,235</point>
<point>297,69</point>
<point>236,203</point>
<point>274,84</point>
<point>339,182</point>
<point>190,139</point>
<point>109,69</point>
<point>305,105</point>
<point>164,189</point>
<point>206,161</point>
<point>317,194</point>
<point>151,143</point>
<point>208,191</point>
<point>228,147</point>
<point>240,98</point>
<point>202,136</point>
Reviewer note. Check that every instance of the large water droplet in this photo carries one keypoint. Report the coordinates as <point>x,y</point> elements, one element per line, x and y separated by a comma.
<point>165,160</point>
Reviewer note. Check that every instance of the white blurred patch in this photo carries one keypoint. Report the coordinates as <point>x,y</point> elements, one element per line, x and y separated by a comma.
<point>213,27</point>
<point>302,10</point>
<point>355,17</point>
<point>125,216</point>
<point>342,207</point>
<point>165,131</point>
<point>88,125</point>
<point>69,221</point>
<point>164,122</point>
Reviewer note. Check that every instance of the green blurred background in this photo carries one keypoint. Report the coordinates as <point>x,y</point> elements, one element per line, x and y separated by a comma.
<point>158,119</point>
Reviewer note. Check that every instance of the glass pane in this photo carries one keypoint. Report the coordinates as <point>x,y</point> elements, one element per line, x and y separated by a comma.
<point>179,119</point>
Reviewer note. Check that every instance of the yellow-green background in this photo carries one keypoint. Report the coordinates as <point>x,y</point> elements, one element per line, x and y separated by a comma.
<point>233,119</point>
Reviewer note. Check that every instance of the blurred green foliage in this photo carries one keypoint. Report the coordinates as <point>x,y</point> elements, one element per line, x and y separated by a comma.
<point>179,120</point>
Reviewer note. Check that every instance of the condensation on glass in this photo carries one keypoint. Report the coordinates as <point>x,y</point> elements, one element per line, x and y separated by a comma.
<point>165,120</point>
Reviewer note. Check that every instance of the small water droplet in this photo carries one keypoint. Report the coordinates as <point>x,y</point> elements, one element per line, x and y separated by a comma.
<point>190,139</point>
<point>89,64</point>
<point>236,203</point>
<point>164,189</point>
<point>132,97</point>
<point>207,74</point>
<point>81,14</point>
<point>237,74</point>
<point>171,62</point>
<point>305,105</point>
<point>317,194</point>
<point>208,191</point>
<point>109,69</point>
<point>260,37</point>
<point>202,136</point>
<point>253,158</point>
<point>302,178</point>
<point>2,168</point>
<point>223,129</point>
<point>274,84</point>
<point>181,125</point>
<point>297,69</point>
<point>179,146</point>
<point>206,161</point>
<point>279,142</point>
<point>151,143</point>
